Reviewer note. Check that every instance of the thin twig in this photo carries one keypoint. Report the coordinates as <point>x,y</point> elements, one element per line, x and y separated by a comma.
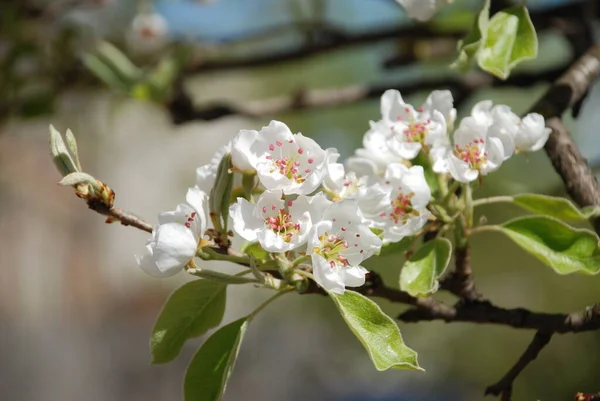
<point>504,386</point>
<point>115,214</point>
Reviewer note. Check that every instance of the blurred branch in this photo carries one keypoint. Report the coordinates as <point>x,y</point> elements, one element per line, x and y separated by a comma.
<point>504,386</point>
<point>587,397</point>
<point>462,87</point>
<point>326,37</point>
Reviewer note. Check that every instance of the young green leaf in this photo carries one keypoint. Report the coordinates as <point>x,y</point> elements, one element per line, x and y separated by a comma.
<point>397,248</point>
<point>220,194</point>
<point>510,39</point>
<point>207,375</point>
<point>378,333</point>
<point>60,155</point>
<point>105,72</point>
<point>470,45</point>
<point>419,275</point>
<point>559,208</point>
<point>560,246</point>
<point>254,249</point>
<point>118,62</point>
<point>190,311</point>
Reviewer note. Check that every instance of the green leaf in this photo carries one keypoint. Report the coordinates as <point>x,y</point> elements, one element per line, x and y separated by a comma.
<point>431,177</point>
<point>419,275</point>
<point>396,248</point>
<point>559,208</point>
<point>470,45</point>
<point>254,249</point>
<point>78,178</point>
<point>105,73</point>
<point>60,155</point>
<point>560,246</point>
<point>118,62</point>
<point>163,75</point>
<point>190,311</point>
<point>206,377</point>
<point>510,39</point>
<point>220,194</point>
<point>378,333</point>
<point>377,231</point>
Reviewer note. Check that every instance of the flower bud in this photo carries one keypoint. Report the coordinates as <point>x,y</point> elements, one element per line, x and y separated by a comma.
<point>220,195</point>
<point>60,155</point>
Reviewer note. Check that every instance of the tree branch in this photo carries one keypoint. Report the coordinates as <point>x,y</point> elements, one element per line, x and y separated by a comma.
<point>504,386</point>
<point>115,214</point>
<point>484,312</point>
<point>460,282</point>
<point>566,158</point>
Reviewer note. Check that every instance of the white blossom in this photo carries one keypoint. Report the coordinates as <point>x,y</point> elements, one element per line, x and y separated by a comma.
<point>532,134</point>
<point>148,32</point>
<point>338,183</point>
<point>405,131</point>
<point>279,225</point>
<point>517,135</point>
<point>398,204</point>
<point>283,161</point>
<point>475,152</point>
<point>177,236</point>
<point>338,244</point>
<point>422,10</point>
<point>373,158</point>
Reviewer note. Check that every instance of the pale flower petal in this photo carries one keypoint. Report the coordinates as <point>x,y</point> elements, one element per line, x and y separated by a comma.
<point>175,246</point>
<point>331,279</point>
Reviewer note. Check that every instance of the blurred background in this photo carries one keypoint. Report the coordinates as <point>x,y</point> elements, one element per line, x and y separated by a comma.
<point>152,90</point>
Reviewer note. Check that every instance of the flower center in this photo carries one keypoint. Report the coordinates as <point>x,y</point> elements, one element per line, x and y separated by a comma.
<point>402,208</point>
<point>331,250</point>
<point>350,185</point>
<point>147,32</point>
<point>289,166</point>
<point>416,131</point>
<point>190,219</point>
<point>473,153</point>
<point>282,224</point>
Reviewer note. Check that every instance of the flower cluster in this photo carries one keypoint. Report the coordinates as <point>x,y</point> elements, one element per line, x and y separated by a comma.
<point>298,202</point>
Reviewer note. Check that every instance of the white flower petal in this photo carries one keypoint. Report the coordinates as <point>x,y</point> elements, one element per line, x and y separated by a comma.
<point>495,155</point>
<point>354,276</point>
<point>148,266</point>
<point>245,223</point>
<point>175,246</point>
<point>460,170</point>
<point>331,279</point>
<point>414,179</point>
<point>242,156</point>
